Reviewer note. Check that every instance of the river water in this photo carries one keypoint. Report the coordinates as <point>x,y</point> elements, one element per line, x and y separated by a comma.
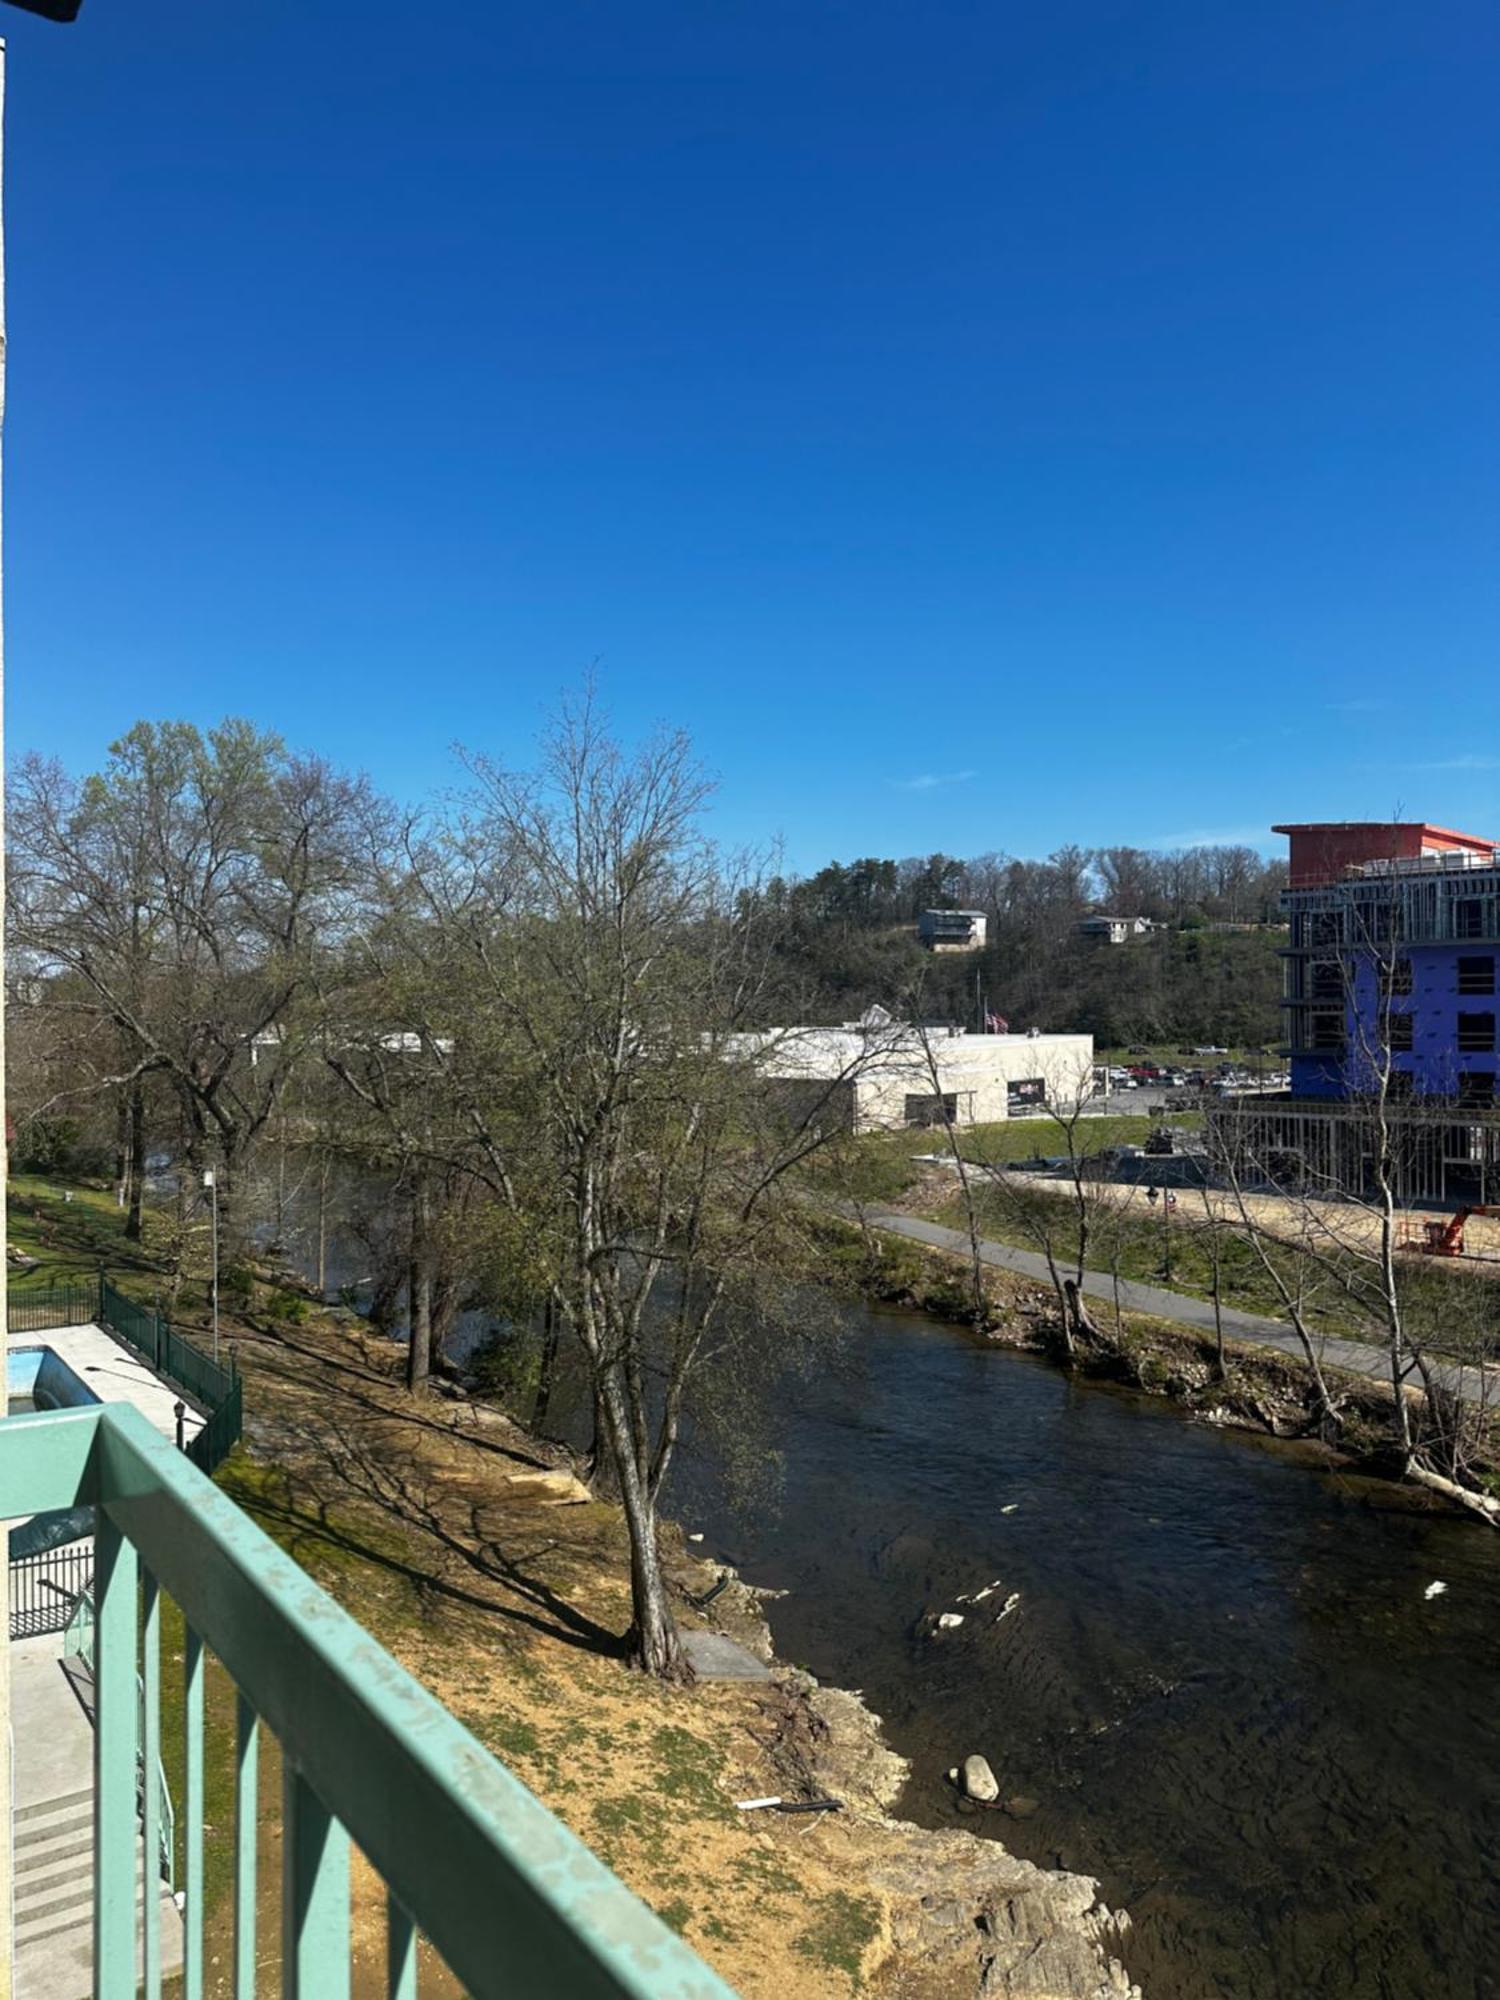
<point>1224,1684</point>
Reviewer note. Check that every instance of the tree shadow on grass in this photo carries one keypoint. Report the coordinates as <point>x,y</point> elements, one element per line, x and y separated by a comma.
<point>396,1415</point>
<point>408,1501</point>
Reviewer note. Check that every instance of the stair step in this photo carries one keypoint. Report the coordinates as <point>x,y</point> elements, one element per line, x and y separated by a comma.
<point>71,1847</point>
<point>47,1825</point>
<point>68,1898</point>
<point>38,1924</point>
<point>52,1833</point>
<point>82,1800</point>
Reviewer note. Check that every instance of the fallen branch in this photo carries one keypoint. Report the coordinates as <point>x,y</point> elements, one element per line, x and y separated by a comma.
<point>1477,1503</point>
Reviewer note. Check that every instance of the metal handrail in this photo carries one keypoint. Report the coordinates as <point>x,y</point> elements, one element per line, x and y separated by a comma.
<point>82,1648</point>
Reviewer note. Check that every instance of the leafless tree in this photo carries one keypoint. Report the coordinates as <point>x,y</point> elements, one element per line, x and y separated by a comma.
<point>599,1028</point>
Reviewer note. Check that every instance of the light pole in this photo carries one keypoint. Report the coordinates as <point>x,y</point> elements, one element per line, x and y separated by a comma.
<point>1154,1194</point>
<point>211,1182</point>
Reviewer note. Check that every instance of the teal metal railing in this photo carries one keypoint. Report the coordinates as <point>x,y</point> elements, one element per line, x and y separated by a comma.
<point>78,1633</point>
<point>78,1644</point>
<point>512,1901</point>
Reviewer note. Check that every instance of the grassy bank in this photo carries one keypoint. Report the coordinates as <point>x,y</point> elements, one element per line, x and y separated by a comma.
<point>1451,1306</point>
<point>885,1166</point>
<point>1263,1390</point>
<point>59,1231</point>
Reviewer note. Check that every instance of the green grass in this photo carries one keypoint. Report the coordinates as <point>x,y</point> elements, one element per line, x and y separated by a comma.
<point>841,1932</point>
<point>1445,1308</point>
<point>67,1239</point>
<point>881,1166</point>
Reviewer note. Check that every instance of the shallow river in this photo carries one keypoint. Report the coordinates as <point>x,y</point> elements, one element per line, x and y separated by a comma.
<point>1223,1683</point>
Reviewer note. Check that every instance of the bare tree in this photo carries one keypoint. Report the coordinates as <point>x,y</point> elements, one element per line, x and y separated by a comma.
<point>600,1026</point>
<point>1063,1230</point>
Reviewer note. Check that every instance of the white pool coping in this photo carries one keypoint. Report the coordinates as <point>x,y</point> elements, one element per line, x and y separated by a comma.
<point>115,1375</point>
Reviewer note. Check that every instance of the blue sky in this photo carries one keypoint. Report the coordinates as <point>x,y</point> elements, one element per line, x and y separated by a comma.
<point>979,426</point>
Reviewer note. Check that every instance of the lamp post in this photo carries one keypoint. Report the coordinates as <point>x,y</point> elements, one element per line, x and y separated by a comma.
<point>1154,1194</point>
<point>211,1182</point>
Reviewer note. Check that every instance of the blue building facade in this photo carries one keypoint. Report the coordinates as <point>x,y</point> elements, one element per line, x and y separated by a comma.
<point>1428,1010</point>
<point>1392,966</point>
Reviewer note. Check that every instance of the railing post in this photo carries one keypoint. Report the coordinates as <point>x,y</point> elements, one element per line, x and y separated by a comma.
<point>247,1754</point>
<point>115,1749</point>
<point>400,1952</point>
<point>150,1797</point>
<point>314,1894</point>
<point>192,1803</point>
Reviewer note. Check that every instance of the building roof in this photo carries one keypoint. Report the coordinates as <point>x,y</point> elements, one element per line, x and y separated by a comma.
<point>828,1053</point>
<point>1443,834</point>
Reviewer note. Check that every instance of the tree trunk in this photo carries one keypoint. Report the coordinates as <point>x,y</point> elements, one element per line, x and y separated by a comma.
<point>135,1162</point>
<point>653,1643</point>
<point>547,1368</point>
<point>122,1150</point>
<point>322,1229</point>
<point>1477,1503</point>
<point>1221,1370</point>
<point>1078,1321</point>
<point>419,1347</point>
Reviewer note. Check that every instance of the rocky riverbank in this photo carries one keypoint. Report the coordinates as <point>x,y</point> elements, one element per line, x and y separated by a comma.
<point>945,1914</point>
<point>959,1914</point>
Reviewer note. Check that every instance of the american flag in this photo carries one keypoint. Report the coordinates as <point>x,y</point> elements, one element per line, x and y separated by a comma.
<point>997,1024</point>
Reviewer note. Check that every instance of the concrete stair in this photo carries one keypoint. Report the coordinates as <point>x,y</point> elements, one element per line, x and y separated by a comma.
<point>54,1829</point>
<point>54,1866</point>
<point>55,1900</point>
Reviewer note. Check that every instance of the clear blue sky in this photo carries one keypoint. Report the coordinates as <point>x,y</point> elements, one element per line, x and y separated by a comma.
<point>980,426</point>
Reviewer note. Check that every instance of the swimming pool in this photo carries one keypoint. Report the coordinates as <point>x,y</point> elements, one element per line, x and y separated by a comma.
<point>38,1378</point>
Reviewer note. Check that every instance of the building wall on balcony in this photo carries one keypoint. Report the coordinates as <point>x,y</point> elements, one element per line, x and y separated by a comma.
<point>1317,1075</point>
<point>1445,1014</point>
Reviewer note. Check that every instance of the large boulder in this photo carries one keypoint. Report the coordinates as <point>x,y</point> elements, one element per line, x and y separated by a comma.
<point>552,1489</point>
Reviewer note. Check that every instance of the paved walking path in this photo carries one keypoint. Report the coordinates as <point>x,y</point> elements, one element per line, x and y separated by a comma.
<point>1357,1356</point>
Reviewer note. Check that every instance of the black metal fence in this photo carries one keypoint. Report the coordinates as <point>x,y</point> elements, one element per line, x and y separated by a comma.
<point>212,1386</point>
<point>44,1588</point>
<point>74,1303</point>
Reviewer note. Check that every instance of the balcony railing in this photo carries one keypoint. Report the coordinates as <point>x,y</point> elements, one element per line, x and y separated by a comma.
<point>511,1900</point>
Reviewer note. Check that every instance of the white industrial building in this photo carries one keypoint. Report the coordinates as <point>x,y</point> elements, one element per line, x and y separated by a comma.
<point>878,1074</point>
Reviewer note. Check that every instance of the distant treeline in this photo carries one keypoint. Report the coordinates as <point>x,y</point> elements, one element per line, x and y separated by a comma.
<point>851,931</point>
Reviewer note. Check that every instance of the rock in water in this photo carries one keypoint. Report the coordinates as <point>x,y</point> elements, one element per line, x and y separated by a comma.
<point>979,1780</point>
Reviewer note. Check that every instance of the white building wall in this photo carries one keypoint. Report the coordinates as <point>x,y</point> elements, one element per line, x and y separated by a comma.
<point>886,1068</point>
<point>977,1070</point>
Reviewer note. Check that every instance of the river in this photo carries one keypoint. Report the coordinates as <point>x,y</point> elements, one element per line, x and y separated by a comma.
<point>1224,1684</point>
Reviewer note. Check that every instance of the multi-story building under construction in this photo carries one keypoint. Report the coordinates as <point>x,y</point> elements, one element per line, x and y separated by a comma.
<point>1390,1002</point>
